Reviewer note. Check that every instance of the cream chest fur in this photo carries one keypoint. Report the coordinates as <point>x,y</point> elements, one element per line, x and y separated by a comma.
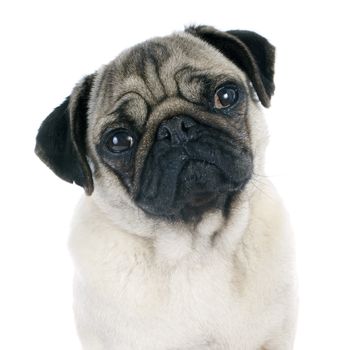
<point>186,290</point>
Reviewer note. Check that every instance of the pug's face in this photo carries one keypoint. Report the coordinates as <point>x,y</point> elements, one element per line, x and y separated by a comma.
<point>166,124</point>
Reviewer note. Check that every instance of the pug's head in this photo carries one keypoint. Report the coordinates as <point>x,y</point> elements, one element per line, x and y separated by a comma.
<point>169,126</point>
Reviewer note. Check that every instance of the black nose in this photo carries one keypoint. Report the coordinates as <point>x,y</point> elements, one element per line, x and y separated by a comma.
<point>176,129</point>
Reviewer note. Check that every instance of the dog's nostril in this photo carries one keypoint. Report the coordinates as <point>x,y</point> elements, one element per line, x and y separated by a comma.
<point>187,124</point>
<point>163,133</point>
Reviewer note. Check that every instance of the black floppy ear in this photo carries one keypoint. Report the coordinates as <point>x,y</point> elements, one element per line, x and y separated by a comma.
<point>60,142</point>
<point>249,51</point>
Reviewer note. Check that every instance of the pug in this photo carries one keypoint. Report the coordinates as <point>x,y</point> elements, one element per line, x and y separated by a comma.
<point>181,241</point>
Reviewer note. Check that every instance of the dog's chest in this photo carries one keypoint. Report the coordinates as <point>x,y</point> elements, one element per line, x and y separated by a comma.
<point>129,303</point>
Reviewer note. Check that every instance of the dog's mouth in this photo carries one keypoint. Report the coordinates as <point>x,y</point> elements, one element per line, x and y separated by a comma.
<point>199,182</point>
<point>192,188</point>
<point>185,185</point>
<point>198,199</point>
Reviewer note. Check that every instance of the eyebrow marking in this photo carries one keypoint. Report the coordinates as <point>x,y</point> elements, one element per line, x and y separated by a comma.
<point>131,109</point>
<point>145,62</point>
<point>190,74</point>
<point>125,94</point>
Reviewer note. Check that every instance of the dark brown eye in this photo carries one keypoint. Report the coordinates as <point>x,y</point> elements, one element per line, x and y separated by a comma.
<point>119,141</point>
<point>225,97</point>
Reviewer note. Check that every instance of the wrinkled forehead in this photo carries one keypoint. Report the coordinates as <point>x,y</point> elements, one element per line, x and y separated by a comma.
<point>161,68</point>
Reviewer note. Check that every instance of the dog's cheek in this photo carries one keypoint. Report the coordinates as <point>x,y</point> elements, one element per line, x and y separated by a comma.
<point>122,167</point>
<point>109,169</point>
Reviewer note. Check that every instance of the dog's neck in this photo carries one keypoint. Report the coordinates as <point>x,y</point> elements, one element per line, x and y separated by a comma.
<point>170,244</point>
<point>213,234</point>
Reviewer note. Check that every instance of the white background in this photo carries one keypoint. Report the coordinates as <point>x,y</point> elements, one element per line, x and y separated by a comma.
<point>47,46</point>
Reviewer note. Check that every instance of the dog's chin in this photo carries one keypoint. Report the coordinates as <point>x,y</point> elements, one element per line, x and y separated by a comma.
<point>198,188</point>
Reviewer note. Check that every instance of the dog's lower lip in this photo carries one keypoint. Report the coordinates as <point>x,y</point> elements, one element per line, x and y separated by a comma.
<point>200,198</point>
